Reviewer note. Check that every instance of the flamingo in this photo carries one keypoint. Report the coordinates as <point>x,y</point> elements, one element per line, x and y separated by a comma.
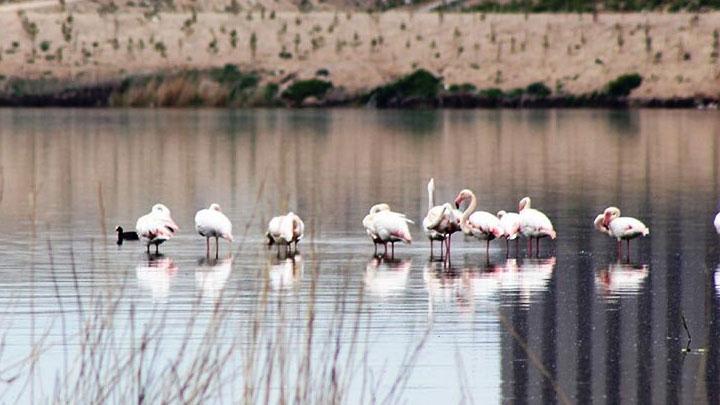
<point>621,228</point>
<point>285,230</point>
<point>212,223</point>
<point>534,224</point>
<point>717,223</point>
<point>441,221</point>
<point>510,222</point>
<point>156,227</point>
<point>391,227</point>
<point>480,224</point>
<point>369,222</point>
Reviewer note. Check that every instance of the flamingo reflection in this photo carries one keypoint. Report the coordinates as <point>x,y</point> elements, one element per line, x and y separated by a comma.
<point>155,274</point>
<point>385,277</point>
<point>284,273</point>
<point>212,274</point>
<point>486,284</point>
<point>622,278</point>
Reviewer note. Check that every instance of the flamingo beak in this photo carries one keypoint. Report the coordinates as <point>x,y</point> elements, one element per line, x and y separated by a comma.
<point>458,201</point>
<point>606,220</point>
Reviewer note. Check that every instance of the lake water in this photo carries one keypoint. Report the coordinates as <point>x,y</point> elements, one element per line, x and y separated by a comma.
<point>84,320</point>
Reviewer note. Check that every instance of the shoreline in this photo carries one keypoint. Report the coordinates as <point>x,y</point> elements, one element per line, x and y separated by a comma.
<point>228,87</point>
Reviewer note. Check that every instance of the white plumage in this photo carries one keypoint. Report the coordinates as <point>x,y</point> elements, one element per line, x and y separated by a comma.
<point>441,221</point>
<point>369,222</point>
<point>479,224</point>
<point>534,223</point>
<point>156,227</point>
<point>212,223</point>
<point>510,223</point>
<point>623,228</point>
<point>717,223</point>
<point>285,230</point>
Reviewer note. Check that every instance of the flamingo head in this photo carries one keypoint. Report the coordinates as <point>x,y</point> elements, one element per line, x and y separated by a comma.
<point>379,207</point>
<point>501,213</point>
<point>215,207</point>
<point>599,224</point>
<point>462,196</point>
<point>609,214</point>
<point>161,209</point>
<point>524,203</point>
<point>431,185</point>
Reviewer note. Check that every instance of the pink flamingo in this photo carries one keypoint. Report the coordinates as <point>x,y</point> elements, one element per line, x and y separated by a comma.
<point>534,224</point>
<point>440,222</point>
<point>621,228</point>
<point>480,224</point>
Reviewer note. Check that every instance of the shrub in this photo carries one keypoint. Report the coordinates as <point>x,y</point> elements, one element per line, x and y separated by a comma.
<point>462,88</point>
<point>419,84</point>
<point>302,89</point>
<point>624,85</point>
<point>44,46</point>
<point>492,93</point>
<point>538,89</point>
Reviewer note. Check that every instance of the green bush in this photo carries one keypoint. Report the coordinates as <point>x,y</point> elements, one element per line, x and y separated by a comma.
<point>462,88</point>
<point>237,81</point>
<point>302,89</point>
<point>624,85</point>
<point>538,89</point>
<point>419,84</point>
<point>492,93</point>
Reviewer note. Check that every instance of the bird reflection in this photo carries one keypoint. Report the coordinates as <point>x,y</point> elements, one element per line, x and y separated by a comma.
<point>484,284</point>
<point>622,278</point>
<point>155,274</point>
<point>212,274</point>
<point>285,272</point>
<point>386,277</point>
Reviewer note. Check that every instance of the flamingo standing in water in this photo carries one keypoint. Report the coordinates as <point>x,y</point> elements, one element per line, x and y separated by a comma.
<point>440,222</point>
<point>369,223</point>
<point>156,227</point>
<point>622,228</point>
<point>534,224</point>
<point>391,227</point>
<point>510,222</point>
<point>212,223</point>
<point>285,230</point>
<point>480,224</point>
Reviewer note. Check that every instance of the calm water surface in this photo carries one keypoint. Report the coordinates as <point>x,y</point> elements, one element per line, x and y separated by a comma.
<point>574,325</point>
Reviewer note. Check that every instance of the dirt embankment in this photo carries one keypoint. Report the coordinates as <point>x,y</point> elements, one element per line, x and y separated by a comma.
<point>676,54</point>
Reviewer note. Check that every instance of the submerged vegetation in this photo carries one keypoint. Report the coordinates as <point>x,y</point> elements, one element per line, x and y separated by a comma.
<point>229,86</point>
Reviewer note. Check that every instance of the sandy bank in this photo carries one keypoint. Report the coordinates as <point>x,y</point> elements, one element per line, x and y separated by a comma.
<point>677,54</point>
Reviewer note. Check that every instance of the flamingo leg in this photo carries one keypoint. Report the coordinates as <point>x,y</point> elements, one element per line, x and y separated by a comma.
<point>217,247</point>
<point>529,246</point>
<point>537,246</point>
<point>392,249</point>
<point>148,248</point>
<point>207,247</point>
<point>385,245</point>
<point>507,248</point>
<point>375,246</point>
<point>157,248</point>
<point>628,250</point>
<point>487,248</point>
<point>431,249</point>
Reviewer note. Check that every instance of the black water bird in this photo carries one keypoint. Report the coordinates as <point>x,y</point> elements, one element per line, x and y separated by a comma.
<point>123,236</point>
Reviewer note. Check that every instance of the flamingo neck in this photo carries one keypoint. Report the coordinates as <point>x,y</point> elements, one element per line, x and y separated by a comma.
<point>469,210</point>
<point>431,197</point>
